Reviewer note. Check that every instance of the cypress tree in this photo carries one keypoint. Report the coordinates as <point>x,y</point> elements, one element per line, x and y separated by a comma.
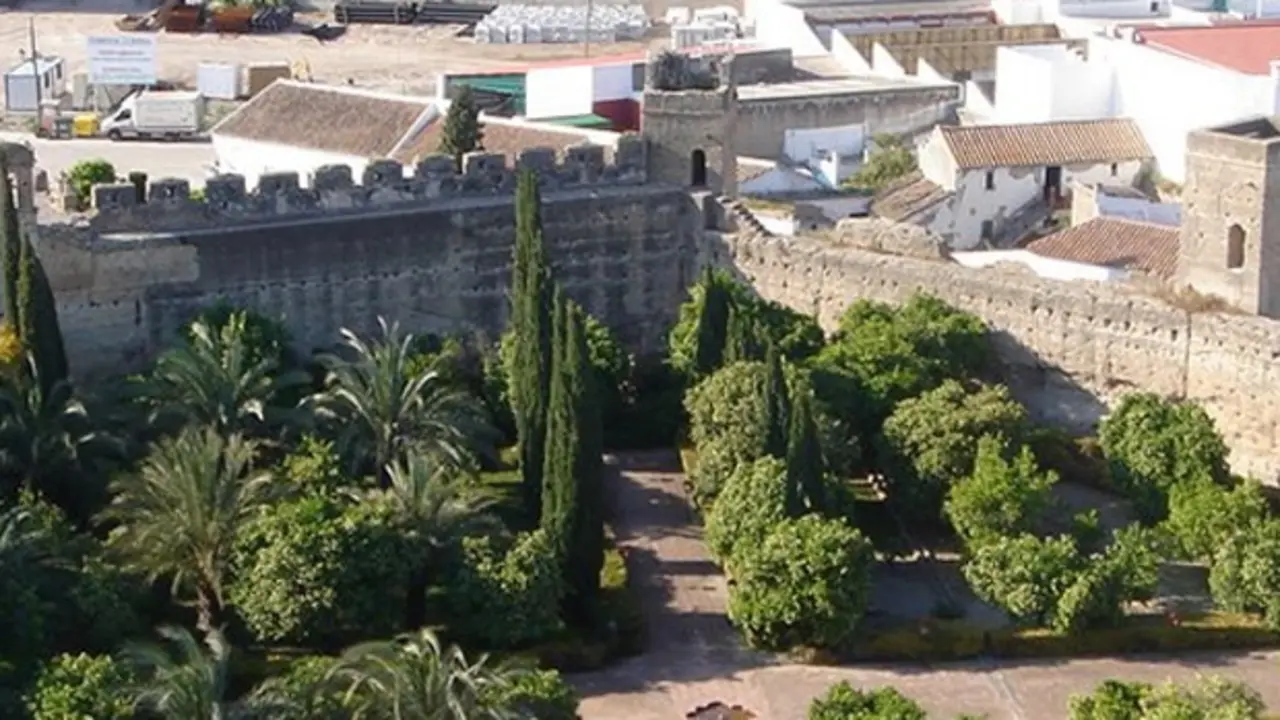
<point>587,546</point>
<point>10,247</point>
<point>775,405</point>
<point>27,316</point>
<point>53,354</point>
<point>530,374</point>
<point>712,328</point>
<point>462,131</point>
<point>740,344</point>
<point>559,489</point>
<point>806,471</point>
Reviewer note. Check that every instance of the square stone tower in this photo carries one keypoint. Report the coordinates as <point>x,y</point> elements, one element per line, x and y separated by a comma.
<point>1230,239</point>
<point>689,115</point>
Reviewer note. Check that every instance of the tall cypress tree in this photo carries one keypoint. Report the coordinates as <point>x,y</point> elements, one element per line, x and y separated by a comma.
<point>462,131</point>
<point>559,488</point>
<point>806,471</point>
<point>10,247</point>
<point>586,548</point>
<point>712,328</point>
<point>53,354</point>
<point>775,405</point>
<point>27,317</point>
<point>530,374</point>
<point>740,344</point>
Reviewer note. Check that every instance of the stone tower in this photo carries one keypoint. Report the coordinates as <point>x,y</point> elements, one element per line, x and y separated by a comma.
<point>1230,239</point>
<point>690,108</point>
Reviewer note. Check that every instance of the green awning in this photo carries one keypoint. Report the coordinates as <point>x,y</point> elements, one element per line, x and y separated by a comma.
<point>580,121</point>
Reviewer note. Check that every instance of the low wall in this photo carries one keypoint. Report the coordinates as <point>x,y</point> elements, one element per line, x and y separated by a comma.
<point>1070,347</point>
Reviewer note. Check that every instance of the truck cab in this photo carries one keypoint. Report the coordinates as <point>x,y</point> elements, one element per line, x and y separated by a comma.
<point>156,114</point>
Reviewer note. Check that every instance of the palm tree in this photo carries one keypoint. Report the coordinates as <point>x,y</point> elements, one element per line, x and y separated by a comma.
<point>383,407</point>
<point>179,516</point>
<point>413,678</point>
<point>434,503</point>
<point>48,440</point>
<point>182,680</point>
<point>219,379</point>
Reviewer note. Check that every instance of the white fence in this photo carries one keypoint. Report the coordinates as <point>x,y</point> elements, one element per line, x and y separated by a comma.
<point>531,24</point>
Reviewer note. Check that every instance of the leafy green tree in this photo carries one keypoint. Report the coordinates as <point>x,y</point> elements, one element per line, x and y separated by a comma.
<point>10,247</point>
<point>774,420</point>
<point>712,328</point>
<point>753,502</point>
<point>1001,497</point>
<point>179,679</point>
<point>889,159</point>
<point>505,596</point>
<point>1207,698</point>
<point>380,411</point>
<point>415,676</point>
<point>1203,515</point>
<point>892,354</point>
<point>1111,700</point>
<point>537,695</point>
<point>304,691</point>
<point>434,506</point>
<point>179,515</point>
<point>463,131</point>
<point>82,686</point>
<point>51,444</point>
<point>741,337</point>
<point>530,370</point>
<point>222,380</point>
<point>806,468</point>
<point>1245,573</point>
<point>1024,575</point>
<point>266,338</point>
<point>85,174</point>
<point>316,571</point>
<point>1153,444</point>
<point>798,336</point>
<point>314,468</point>
<point>928,441</point>
<point>1127,571</point>
<point>844,702</point>
<point>808,583</point>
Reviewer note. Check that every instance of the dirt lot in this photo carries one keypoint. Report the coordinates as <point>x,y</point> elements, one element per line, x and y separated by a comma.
<point>388,58</point>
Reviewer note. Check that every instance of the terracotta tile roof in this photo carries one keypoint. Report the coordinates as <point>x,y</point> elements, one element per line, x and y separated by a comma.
<point>1050,143</point>
<point>1247,47</point>
<point>325,118</point>
<point>1138,246</point>
<point>907,196</point>
<point>508,139</point>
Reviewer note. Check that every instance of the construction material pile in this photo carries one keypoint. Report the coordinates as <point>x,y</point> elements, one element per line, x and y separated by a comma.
<point>531,24</point>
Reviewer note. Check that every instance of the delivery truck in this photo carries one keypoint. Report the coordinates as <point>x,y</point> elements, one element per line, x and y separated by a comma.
<point>156,114</point>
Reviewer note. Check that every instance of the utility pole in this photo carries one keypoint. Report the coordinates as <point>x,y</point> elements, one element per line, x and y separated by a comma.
<point>35,74</point>
<point>586,46</point>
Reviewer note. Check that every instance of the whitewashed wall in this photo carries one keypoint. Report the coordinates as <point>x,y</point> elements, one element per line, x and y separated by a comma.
<point>559,92</point>
<point>1051,268</point>
<point>780,25</point>
<point>811,145</point>
<point>883,62</point>
<point>1038,83</point>
<point>1126,9</point>
<point>613,82</point>
<point>843,52</point>
<point>254,159</point>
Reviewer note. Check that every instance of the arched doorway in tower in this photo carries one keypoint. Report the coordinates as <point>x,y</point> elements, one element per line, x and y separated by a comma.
<point>698,168</point>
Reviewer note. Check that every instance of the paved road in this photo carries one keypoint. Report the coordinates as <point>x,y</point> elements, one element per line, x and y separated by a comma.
<point>694,657</point>
<point>186,160</point>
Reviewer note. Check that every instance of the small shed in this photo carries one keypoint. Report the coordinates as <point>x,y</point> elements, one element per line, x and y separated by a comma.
<point>45,78</point>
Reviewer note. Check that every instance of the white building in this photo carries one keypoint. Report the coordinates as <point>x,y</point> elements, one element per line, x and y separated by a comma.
<point>299,127</point>
<point>27,81</point>
<point>1100,250</point>
<point>987,185</point>
<point>1168,80</point>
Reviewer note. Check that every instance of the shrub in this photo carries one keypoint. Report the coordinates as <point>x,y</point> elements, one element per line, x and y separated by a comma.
<point>1112,700</point>
<point>1001,497</point>
<point>316,571</point>
<point>1204,515</point>
<point>753,502</point>
<point>82,686</point>
<point>807,584</point>
<point>843,702</point>
<point>1245,574</point>
<point>85,174</point>
<point>536,695</point>
<point>506,597</point>
<point>1024,575</point>
<point>304,692</point>
<point>1206,698</point>
<point>889,159</point>
<point>928,441</point>
<point>266,338</point>
<point>1153,444</point>
<point>621,606</point>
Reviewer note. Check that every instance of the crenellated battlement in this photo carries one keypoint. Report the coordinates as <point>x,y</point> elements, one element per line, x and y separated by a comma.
<point>383,185</point>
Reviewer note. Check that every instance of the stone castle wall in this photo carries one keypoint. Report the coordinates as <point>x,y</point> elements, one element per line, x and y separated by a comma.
<point>431,252</point>
<point>1070,347</point>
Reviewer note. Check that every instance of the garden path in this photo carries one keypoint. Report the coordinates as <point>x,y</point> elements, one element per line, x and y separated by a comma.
<point>694,657</point>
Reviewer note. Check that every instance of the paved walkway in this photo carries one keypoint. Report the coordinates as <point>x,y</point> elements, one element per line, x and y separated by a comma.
<point>694,657</point>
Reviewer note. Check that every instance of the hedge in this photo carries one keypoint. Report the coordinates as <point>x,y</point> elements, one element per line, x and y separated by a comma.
<point>941,641</point>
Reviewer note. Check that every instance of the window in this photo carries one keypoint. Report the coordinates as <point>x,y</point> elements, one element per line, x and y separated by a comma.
<point>988,229</point>
<point>1115,169</point>
<point>1235,247</point>
<point>1155,6</point>
<point>990,183</point>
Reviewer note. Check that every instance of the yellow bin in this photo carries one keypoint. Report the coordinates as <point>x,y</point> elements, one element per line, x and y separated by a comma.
<point>84,126</point>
